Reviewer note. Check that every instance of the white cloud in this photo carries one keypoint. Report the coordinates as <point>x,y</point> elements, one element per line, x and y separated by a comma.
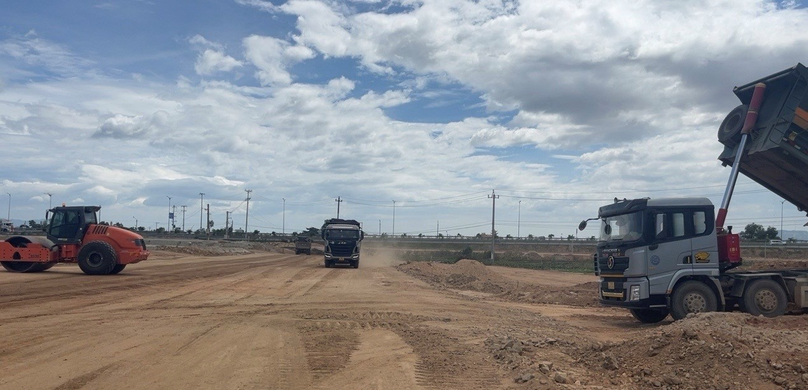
<point>272,56</point>
<point>210,62</point>
<point>122,126</point>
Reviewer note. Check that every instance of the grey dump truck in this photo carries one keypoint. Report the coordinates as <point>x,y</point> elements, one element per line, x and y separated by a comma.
<point>671,256</point>
<point>302,245</point>
<point>342,241</point>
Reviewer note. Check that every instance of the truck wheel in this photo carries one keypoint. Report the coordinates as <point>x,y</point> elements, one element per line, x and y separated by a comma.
<point>692,297</point>
<point>117,269</point>
<point>764,297</point>
<point>729,133</point>
<point>649,316</point>
<point>327,264</point>
<point>97,258</point>
<point>355,264</point>
<point>308,252</point>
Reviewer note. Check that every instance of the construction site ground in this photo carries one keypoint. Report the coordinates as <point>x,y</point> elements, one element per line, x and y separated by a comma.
<point>264,318</point>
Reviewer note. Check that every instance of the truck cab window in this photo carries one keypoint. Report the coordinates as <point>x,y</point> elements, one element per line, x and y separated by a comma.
<point>678,224</point>
<point>699,222</point>
<point>660,232</point>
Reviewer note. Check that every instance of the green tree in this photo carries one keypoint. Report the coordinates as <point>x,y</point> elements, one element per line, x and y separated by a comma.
<point>753,231</point>
<point>772,233</point>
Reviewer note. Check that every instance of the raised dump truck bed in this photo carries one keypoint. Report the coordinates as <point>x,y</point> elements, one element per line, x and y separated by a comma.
<point>777,154</point>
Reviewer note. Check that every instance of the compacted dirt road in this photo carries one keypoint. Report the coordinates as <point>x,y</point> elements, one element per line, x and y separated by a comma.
<point>274,321</point>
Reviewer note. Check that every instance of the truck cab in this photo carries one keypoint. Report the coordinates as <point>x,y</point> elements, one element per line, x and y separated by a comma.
<point>302,245</point>
<point>647,245</point>
<point>657,257</point>
<point>342,242</point>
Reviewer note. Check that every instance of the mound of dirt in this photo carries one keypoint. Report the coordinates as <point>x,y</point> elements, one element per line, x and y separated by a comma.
<point>475,276</point>
<point>463,275</point>
<point>760,264</point>
<point>203,251</point>
<point>733,350</point>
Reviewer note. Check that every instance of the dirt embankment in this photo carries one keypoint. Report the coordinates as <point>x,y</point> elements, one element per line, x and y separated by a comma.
<point>473,275</point>
<point>229,248</point>
<point>705,351</point>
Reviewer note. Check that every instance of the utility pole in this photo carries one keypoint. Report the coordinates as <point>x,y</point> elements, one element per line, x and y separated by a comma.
<point>168,224</point>
<point>247,218</point>
<point>135,223</point>
<point>201,205</point>
<point>338,200</point>
<point>50,199</point>
<point>207,226</point>
<point>493,198</point>
<point>226,222</point>
<point>9,207</point>
<point>394,218</point>
<point>283,228</point>
<point>183,218</point>
<point>519,221</point>
<point>173,217</point>
<point>155,225</point>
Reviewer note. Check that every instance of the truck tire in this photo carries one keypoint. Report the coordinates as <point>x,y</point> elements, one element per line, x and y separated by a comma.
<point>692,297</point>
<point>117,269</point>
<point>308,252</point>
<point>649,316</point>
<point>729,133</point>
<point>327,264</point>
<point>97,258</point>
<point>355,264</point>
<point>764,297</point>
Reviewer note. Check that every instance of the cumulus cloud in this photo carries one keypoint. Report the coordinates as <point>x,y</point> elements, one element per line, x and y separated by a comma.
<point>272,56</point>
<point>605,66</point>
<point>211,57</point>
<point>122,126</point>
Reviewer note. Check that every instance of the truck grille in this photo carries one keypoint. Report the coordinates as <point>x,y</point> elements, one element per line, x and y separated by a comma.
<point>620,264</point>
<point>342,250</point>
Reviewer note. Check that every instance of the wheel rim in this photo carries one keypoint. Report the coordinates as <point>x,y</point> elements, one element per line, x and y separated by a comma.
<point>95,259</point>
<point>765,300</point>
<point>695,303</point>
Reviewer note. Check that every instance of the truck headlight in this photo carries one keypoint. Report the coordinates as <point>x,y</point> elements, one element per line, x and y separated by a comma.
<point>634,295</point>
<point>327,255</point>
<point>355,256</point>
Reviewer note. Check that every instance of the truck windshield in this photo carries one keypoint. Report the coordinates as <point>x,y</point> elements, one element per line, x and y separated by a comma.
<point>339,234</point>
<point>626,227</point>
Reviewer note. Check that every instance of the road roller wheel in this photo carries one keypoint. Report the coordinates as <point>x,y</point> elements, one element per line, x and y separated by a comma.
<point>97,258</point>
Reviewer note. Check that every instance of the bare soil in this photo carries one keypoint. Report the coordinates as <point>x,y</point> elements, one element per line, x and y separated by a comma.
<point>277,320</point>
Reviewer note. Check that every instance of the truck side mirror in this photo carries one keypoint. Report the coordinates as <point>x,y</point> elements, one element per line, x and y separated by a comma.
<point>582,226</point>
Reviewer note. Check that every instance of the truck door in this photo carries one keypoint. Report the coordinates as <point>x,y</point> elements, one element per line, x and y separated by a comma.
<point>669,251</point>
<point>704,248</point>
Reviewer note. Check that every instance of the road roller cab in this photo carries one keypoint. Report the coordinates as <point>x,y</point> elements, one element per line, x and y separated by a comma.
<point>74,236</point>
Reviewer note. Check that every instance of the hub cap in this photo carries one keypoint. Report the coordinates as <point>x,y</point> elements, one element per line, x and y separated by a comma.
<point>695,303</point>
<point>95,259</point>
<point>765,300</point>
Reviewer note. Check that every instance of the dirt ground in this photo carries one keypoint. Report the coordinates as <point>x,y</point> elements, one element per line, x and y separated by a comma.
<point>265,319</point>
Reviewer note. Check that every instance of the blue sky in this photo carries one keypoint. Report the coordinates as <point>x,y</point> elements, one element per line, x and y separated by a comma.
<point>432,103</point>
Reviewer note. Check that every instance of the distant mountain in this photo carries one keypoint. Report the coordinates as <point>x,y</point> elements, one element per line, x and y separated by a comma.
<point>799,235</point>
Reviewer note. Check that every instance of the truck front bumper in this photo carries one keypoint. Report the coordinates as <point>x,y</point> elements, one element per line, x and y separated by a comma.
<point>625,292</point>
<point>341,260</point>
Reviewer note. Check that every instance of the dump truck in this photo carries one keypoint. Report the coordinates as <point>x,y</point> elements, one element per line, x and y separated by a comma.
<point>342,241</point>
<point>302,245</point>
<point>74,236</point>
<point>674,256</point>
